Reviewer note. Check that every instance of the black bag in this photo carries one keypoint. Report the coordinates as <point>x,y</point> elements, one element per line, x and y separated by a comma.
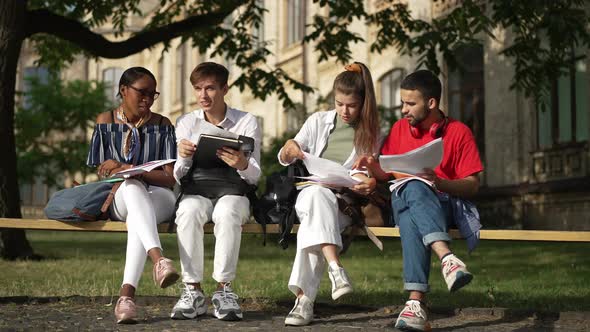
<point>214,179</point>
<point>214,182</point>
<point>277,203</point>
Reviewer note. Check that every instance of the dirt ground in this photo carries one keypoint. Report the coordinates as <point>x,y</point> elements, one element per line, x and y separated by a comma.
<point>96,314</point>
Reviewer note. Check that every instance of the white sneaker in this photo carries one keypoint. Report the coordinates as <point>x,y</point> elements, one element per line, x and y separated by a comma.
<point>190,305</point>
<point>412,318</point>
<point>226,304</point>
<point>302,312</point>
<point>455,272</point>
<point>340,282</point>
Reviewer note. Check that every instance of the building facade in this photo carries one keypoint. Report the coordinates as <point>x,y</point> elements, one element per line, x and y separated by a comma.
<point>537,171</point>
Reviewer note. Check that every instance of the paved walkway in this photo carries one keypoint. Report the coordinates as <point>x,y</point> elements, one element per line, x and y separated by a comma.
<point>95,314</point>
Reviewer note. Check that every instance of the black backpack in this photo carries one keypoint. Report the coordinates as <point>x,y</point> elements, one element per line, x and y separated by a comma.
<point>277,204</point>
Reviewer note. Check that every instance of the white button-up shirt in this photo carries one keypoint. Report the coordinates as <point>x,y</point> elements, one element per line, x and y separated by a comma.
<point>235,121</point>
<point>313,137</point>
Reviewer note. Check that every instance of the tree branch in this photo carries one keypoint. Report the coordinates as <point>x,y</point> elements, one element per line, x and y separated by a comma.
<point>44,21</point>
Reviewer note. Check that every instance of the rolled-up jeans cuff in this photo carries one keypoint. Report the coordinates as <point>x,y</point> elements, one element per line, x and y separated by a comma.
<point>413,286</point>
<point>428,239</point>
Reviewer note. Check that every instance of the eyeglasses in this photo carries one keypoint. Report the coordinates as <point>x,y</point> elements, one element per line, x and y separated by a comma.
<point>145,93</point>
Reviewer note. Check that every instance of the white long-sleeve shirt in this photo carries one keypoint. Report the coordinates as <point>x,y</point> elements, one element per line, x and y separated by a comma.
<point>237,122</point>
<point>313,137</point>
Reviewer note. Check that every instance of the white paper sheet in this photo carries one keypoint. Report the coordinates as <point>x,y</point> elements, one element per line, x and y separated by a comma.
<point>146,167</point>
<point>415,161</point>
<point>327,172</point>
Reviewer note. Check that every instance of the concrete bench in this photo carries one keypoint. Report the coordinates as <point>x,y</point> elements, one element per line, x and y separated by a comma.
<point>253,228</point>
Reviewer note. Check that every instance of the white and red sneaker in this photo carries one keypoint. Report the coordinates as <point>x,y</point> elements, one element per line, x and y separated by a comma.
<point>455,272</point>
<point>412,318</point>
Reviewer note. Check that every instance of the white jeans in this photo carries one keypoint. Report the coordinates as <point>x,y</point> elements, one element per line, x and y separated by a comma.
<point>141,209</point>
<point>229,214</point>
<point>321,223</point>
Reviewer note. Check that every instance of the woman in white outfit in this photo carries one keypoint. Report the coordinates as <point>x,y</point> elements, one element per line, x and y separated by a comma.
<point>127,136</point>
<point>341,135</point>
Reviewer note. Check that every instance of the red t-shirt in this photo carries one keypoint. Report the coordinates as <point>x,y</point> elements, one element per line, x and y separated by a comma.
<point>460,155</point>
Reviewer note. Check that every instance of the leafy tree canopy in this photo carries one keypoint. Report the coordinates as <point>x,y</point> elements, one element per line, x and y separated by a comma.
<point>544,33</point>
<point>51,127</point>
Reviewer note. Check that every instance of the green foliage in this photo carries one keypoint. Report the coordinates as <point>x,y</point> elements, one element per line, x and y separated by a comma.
<point>52,127</point>
<point>546,35</point>
<point>544,31</point>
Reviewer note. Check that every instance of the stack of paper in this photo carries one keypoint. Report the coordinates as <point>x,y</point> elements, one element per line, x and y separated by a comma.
<point>143,168</point>
<point>415,161</point>
<point>327,173</point>
<point>405,166</point>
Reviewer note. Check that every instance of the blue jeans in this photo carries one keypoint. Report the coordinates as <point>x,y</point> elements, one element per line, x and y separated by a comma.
<point>423,218</point>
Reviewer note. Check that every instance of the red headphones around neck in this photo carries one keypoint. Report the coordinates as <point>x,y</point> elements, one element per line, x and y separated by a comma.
<point>436,129</point>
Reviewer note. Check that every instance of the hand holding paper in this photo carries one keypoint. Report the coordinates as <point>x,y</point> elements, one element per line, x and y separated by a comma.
<point>328,173</point>
<point>416,161</point>
<point>417,164</point>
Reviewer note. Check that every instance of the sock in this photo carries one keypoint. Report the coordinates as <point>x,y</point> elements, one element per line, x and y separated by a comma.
<point>445,256</point>
<point>422,304</point>
<point>334,265</point>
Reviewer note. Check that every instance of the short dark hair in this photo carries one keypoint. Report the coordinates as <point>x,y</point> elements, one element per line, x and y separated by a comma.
<point>132,74</point>
<point>424,81</point>
<point>210,69</point>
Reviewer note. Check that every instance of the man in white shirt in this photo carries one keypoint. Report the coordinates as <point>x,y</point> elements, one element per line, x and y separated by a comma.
<point>228,212</point>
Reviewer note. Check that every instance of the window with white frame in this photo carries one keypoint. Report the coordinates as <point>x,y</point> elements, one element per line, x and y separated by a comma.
<point>390,99</point>
<point>260,121</point>
<point>32,73</point>
<point>564,118</point>
<point>111,77</point>
<point>295,21</point>
<point>180,74</point>
<point>466,92</point>
<point>258,31</point>
<point>228,23</point>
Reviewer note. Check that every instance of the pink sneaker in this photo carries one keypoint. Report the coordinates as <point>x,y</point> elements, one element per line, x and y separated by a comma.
<point>164,273</point>
<point>125,310</point>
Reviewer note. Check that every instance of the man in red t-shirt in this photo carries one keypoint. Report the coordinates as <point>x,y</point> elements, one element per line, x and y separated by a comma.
<point>423,214</point>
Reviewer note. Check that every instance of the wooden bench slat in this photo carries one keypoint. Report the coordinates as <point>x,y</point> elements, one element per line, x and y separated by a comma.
<point>252,228</point>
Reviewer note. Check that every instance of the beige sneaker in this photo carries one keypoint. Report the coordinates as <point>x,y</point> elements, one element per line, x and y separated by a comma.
<point>164,273</point>
<point>125,310</point>
<point>341,284</point>
<point>302,312</point>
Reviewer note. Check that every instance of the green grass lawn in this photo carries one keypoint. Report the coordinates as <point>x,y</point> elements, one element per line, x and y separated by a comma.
<point>523,275</point>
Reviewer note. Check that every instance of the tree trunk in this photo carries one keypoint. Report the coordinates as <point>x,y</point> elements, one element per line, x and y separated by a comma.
<point>11,37</point>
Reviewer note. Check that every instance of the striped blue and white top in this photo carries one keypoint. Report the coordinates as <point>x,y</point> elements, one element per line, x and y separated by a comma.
<point>157,142</point>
